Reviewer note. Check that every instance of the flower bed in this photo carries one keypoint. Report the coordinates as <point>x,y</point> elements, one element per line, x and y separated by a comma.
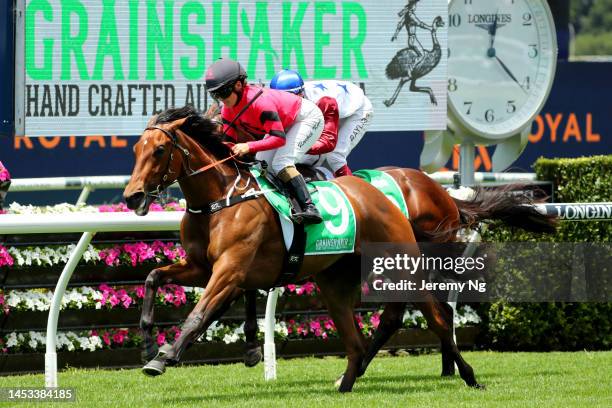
<point>296,327</point>
<point>98,323</point>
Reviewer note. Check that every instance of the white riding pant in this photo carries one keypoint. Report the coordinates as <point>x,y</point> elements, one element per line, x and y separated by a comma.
<point>299,138</point>
<point>350,132</point>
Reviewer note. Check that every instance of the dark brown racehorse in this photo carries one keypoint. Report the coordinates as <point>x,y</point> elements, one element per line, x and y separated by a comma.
<point>241,247</point>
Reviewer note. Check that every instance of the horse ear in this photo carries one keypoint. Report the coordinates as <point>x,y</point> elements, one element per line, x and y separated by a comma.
<point>177,123</point>
<point>152,121</point>
<point>213,110</point>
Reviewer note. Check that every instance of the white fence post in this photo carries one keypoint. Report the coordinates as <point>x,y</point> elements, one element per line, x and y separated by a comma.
<point>60,289</point>
<point>269,346</point>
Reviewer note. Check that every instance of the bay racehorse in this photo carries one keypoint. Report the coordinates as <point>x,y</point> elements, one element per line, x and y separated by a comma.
<point>241,247</point>
<point>435,216</point>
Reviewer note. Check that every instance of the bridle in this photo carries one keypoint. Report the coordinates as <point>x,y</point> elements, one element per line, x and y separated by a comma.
<point>186,166</point>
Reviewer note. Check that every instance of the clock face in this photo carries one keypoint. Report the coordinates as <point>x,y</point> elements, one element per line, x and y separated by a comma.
<point>501,63</point>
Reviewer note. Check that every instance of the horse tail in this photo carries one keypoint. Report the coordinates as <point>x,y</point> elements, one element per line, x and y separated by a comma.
<point>507,204</point>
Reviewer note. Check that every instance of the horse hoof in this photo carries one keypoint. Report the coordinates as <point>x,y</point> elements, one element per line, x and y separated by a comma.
<point>154,368</point>
<point>148,354</point>
<point>253,357</point>
<point>339,381</point>
<point>447,373</point>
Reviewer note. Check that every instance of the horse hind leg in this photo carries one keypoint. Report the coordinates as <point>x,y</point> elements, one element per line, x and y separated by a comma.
<point>391,321</point>
<point>180,273</point>
<point>437,320</point>
<point>253,354</point>
<point>448,358</point>
<point>391,101</point>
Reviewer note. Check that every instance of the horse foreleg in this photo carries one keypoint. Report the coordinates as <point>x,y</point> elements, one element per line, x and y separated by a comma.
<point>253,351</point>
<point>423,89</point>
<point>180,273</point>
<point>391,101</point>
<point>219,294</point>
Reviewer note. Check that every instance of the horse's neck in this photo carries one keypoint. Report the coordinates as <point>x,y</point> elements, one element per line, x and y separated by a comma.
<point>208,186</point>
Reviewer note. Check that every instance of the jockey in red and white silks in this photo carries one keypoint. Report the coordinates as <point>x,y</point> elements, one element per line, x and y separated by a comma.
<point>285,127</point>
<point>347,113</point>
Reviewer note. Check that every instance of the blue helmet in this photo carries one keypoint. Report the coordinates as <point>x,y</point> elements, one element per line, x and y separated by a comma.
<point>288,80</point>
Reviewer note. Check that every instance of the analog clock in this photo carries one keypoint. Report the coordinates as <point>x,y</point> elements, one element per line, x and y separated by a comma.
<point>502,58</point>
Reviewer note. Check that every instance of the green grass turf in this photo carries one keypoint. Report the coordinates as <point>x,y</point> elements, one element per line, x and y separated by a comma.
<point>581,379</point>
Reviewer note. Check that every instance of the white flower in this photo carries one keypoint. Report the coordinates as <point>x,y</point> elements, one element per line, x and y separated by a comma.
<point>281,328</point>
<point>11,340</point>
<point>230,338</point>
<point>261,325</point>
<point>95,342</point>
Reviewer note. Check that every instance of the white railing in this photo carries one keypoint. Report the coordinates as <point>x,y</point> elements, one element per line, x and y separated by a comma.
<point>85,184</point>
<point>92,183</point>
<point>447,177</point>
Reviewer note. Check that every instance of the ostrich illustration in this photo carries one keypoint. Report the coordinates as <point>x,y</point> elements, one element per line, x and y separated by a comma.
<point>409,65</point>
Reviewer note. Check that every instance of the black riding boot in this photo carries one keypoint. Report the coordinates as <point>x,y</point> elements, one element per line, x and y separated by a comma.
<point>308,214</point>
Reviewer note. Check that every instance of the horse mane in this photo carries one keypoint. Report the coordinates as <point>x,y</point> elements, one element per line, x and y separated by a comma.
<point>198,127</point>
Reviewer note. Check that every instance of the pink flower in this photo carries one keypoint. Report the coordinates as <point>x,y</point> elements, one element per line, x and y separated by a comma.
<point>114,300</point>
<point>126,302</point>
<point>140,291</point>
<point>161,338</point>
<point>121,207</point>
<point>291,288</point>
<point>106,338</point>
<point>5,257</point>
<point>4,173</point>
<point>308,288</point>
<point>375,320</point>
<point>177,332</point>
<point>119,336</point>
<point>110,256</point>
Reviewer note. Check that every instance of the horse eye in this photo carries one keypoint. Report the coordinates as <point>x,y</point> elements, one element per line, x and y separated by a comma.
<point>159,151</point>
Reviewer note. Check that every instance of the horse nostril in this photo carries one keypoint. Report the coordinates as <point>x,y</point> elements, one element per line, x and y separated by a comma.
<point>134,200</point>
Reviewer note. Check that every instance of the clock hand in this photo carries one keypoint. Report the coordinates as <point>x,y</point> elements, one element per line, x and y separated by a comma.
<point>492,32</point>
<point>510,74</point>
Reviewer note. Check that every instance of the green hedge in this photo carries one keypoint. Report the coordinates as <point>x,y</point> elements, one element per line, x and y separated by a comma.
<point>556,326</point>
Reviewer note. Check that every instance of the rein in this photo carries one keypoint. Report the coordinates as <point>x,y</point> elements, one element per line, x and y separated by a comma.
<point>216,205</point>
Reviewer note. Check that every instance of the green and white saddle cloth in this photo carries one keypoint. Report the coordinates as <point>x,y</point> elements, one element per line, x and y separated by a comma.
<point>336,234</point>
<point>387,185</point>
